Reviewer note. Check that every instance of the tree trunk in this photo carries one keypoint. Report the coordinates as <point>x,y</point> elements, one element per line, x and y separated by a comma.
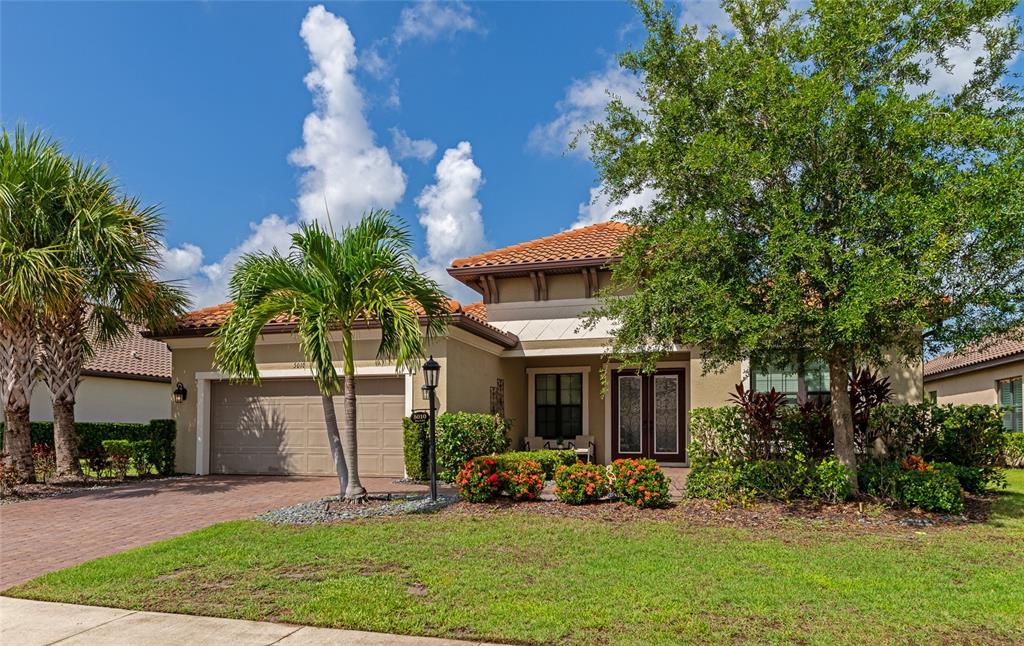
<point>334,440</point>
<point>354,491</point>
<point>17,378</point>
<point>65,439</point>
<point>842,417</point>
<point>61,357</point>
<point>18,442</point>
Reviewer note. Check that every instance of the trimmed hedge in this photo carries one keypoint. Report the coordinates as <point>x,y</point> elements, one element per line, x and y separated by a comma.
<point>416,448</point>
<point>463,436</point>
<point>160,433</point>
<point>933,488</point>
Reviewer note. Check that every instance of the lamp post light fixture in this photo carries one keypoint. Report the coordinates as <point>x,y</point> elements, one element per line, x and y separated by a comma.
<point>180,393</point>
<point>431,371</point>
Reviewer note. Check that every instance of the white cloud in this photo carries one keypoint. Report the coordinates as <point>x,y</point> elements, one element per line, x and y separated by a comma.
<point>375,63</point>
<point>179,262</point>
<point>450,213</point>
<point>431,20</point>
<point>405,147</point>
<point>344,167</point>
<point>584,102</point>
<point>394,99</point>
<point>962,64</point>
<point>704,14</point>
<point>600,209</point>
<point>346,171</point>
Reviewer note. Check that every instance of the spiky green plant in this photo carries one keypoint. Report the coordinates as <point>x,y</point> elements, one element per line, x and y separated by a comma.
<point>329,284</point>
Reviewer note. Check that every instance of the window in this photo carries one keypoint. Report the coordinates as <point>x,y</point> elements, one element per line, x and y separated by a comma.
<point>1009,392</point>
<point>933,396</point>
<point>786,380</point>
<point>558,401</point>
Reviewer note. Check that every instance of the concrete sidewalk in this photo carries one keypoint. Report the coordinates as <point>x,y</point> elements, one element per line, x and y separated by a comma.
<point>38,623</point>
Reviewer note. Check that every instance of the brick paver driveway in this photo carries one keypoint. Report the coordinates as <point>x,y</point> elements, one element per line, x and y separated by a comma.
<point>40,536</point>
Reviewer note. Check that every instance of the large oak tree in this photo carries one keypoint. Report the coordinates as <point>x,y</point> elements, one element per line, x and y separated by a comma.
<point>814,198</point>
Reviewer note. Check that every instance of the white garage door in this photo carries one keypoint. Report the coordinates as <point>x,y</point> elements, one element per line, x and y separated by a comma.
<point>278,427</point>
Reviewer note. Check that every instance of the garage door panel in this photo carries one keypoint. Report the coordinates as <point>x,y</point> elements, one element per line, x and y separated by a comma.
<point>278,427</point>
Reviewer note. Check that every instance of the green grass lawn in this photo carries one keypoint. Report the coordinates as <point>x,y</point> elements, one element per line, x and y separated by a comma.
<point>524,577</point>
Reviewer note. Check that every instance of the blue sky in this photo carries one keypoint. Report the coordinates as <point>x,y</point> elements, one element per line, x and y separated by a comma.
<point>455,116</point>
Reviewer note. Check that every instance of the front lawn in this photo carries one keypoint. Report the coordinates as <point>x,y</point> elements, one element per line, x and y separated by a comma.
<point>525,577</point>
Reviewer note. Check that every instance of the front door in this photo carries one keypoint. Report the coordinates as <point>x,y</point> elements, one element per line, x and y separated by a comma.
<point>649,415</point>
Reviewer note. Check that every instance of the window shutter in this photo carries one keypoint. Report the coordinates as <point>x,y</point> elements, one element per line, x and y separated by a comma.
<point>1010,397</point>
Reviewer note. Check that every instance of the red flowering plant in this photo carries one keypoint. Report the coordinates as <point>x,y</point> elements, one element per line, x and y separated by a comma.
<point>640,483</point>
<point>524,480</point>
<point>915,463</point>
<point>479,480</point>
<point>581,483</point>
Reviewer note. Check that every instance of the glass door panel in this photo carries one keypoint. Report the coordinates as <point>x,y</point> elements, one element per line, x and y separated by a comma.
<point>630,414</point>
<point>666,414</point>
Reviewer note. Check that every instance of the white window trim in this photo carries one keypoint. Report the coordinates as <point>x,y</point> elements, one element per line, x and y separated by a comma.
<point>205,378</point>
<point>531,396</point>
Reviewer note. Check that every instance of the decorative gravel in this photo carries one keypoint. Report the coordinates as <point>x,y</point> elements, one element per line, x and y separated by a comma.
<point>332,510</point>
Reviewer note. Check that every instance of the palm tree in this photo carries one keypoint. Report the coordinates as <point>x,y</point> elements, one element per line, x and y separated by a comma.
<point>328,285</point>
<point>33,277</point>
<point>111,242</point>
<point>78,264</point>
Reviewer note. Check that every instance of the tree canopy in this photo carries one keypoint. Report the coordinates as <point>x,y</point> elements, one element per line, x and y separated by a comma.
<point>812,194</point>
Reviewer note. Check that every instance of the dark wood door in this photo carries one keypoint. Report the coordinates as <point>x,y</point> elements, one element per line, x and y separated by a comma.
<point>649,415</point>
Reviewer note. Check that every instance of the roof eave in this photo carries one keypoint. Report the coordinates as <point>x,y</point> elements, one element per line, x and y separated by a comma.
<point>971,367</point>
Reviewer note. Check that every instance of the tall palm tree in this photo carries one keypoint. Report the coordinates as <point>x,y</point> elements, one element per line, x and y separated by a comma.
<point>329,284</point>
<point>100,252</point>
<point>111,242</point>
<point>33,277</point>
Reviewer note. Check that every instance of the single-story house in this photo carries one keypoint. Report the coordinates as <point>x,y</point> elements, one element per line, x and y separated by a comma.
<point>988,372</point>
<point>129,381</point>
<point>522,351</point>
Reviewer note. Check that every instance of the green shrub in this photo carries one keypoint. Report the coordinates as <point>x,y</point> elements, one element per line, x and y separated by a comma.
<point>971,479</point>
<point>640,483</point>
<point>549,460</point>
<point>717,433</point>
<point>523,480</point>
<point>717,480</point>
<point>898,430</point>
<point>831,481</point>
<point>162,436</point>
<point>783,479</point>
<point>581,483</point>
<point>880,479</point>
<point>462,436</point>
<point>1013,450</point>
<point>141,460</point>
<point>91,435</point>
<point>119,455</point>
<point>973,436</point>
<point>479,480</point>
<point>415,443</point>
<point>934,489</point>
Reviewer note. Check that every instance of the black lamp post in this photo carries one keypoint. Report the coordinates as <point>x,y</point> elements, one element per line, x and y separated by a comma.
<point>431,370</point>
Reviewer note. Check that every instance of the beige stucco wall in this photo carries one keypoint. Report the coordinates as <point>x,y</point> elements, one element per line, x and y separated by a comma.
<point>560,287</point>
<point>975,387</point>
<point>907,381</point>
<point>105,399</point>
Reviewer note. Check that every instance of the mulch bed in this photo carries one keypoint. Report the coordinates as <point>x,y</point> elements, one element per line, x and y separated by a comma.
<point>63,486</point>
<point>762,514</point>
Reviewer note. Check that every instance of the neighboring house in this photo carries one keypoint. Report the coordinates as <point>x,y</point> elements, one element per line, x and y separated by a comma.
<point>126,382</point>
<point>989,372</point>
<point>522,351</point>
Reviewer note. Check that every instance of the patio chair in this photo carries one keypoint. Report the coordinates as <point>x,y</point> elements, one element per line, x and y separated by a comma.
<point>533,443</point>
<point>584,447</point>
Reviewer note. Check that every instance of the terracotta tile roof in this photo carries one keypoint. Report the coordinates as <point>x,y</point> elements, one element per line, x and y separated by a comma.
<point>594,242</point>
<point>207,319</point>
<point>477,310</point>
<point>982,352</point>
<point>133,356</point>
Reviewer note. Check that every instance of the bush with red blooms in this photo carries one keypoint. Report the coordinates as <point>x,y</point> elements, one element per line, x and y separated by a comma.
<point>581,483</point>
<point>479,480</point>
<point>45,461</point>
<point>640,483</point>
<point>915,463</point>
<point>524,480</point>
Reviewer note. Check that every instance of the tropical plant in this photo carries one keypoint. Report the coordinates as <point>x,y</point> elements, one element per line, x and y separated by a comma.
<point>102,251</point>
<point>762,411</point>
<point>809,194</point>
<point>33,181</point>
<point>329,284</point>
